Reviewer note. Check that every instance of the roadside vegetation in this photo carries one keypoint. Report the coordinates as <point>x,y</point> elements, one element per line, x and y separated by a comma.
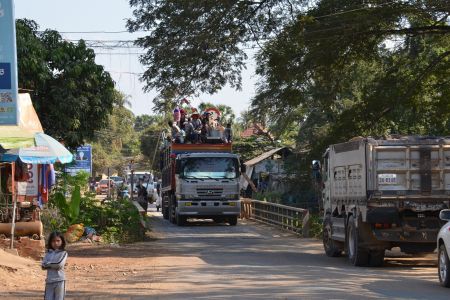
<point>116,221</point>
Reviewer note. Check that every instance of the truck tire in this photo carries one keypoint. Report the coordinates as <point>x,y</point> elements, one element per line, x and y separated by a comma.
<point>443,266</point>
<point>330,246</point>
<point>172,217</point>
<point>218,220</point>
<point>376,258</point>
<point>233,220</point>
<point>180,220</point>
<point>165,213</point>
<point>356,255</point>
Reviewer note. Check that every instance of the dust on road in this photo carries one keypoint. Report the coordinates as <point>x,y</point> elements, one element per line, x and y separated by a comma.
<point>249,261</point>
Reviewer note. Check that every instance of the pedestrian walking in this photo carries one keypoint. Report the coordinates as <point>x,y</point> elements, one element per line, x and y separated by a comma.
<point>54,262</point>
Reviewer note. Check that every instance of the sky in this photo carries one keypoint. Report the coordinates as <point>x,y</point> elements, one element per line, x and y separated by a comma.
<point>110,15</point>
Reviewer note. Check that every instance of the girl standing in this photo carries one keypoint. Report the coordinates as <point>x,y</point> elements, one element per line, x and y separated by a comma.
<point>54,262</point>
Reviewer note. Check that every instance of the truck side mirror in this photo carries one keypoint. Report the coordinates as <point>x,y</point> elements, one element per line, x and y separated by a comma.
<point>177,166</point>
<point>316,173</point>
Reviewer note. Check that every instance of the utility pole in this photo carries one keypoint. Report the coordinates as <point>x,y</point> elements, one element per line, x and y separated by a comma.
<point>132,180</point>
<point>109,186</point>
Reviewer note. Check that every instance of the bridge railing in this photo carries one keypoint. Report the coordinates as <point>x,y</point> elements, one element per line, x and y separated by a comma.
<point>285,217</point>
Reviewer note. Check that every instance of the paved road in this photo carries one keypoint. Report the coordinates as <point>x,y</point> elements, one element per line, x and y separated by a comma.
<point>252,261</point>
<point>248,261</point>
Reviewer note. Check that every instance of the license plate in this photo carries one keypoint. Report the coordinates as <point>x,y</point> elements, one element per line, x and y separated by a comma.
<point>387,179</point>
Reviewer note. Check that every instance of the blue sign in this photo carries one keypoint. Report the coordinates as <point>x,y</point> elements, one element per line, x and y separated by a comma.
<point>8,65</point>
<point>82,160</point>
<point>5,76</point>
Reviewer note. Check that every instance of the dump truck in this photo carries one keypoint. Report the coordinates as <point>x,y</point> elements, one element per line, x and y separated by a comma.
<point>200,181</point>
<point>384,193</point>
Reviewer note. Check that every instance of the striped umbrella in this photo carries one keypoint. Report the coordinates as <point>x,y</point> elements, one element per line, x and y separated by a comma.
<point>47,150</point>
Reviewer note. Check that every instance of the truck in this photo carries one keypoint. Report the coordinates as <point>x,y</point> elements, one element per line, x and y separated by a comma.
<point>384,193</point>
<point>200,181</point>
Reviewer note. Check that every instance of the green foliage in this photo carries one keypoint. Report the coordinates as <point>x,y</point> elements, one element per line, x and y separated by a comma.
<point>315,226</point>
<point>69,210</point>
<point>53,220</point>
<point>329,70</point>
<point>251,147</point>
<point>142,122</point>
<point>273,197</point>
<point>116,221</point>
<point>118,139</point>
<point>72,95</point>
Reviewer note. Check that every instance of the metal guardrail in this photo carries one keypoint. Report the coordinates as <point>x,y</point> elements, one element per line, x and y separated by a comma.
<point>285,217</point>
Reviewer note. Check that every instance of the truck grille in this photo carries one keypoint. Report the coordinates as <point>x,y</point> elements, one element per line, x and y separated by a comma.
<point>206,193</point>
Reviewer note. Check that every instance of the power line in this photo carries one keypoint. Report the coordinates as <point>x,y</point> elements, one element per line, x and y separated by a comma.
<point>120,53</point>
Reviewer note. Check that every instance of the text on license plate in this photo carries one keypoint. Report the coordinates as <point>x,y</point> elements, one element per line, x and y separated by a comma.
<point>387,178</point>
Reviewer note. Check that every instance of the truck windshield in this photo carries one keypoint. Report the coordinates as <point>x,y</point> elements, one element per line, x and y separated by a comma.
<point>209,167</point>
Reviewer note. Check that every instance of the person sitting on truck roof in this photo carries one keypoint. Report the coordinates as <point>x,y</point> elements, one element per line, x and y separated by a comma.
<point>197,124</point>
<point>182,119</point>
<point>228,134</point>
<point>204,133</point>
<point>175,132</point>
<point>191,135</point>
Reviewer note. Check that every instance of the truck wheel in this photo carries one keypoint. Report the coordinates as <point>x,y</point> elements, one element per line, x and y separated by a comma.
<point>356,255</point>
<point>331,249</point>
<point>172,218</point>
<point>233,220</point>
<point>165,212</point>
<point>444,267</point>
<point>180,220</point>
<point>218,220</point>
<point>376,258</point>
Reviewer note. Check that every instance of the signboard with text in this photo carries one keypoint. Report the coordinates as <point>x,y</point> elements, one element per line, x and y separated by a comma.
<point>8,65</point>
<point>82,160</point>
<point>29,188</point>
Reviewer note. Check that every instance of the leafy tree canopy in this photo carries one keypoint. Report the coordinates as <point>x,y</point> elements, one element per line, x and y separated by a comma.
<point>118,139</point>
<point>72,95</point>
<point>329,70</point>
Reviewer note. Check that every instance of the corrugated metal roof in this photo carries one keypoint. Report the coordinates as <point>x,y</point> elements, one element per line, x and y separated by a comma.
<point>264,156</point>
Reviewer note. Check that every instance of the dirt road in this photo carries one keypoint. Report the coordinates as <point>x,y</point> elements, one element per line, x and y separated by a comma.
<point>249,261</point>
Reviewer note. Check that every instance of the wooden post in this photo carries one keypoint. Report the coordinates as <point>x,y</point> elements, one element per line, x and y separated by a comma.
<point>250,182</point>
<point>14,202</point>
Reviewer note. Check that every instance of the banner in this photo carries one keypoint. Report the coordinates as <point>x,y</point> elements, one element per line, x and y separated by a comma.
<point>8,65</point>
<point>29,188</point>
<point>82,160</point>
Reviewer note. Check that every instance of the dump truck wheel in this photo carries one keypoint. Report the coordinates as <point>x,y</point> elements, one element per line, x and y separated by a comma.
<point>356,254</point>
<point>331,249</point>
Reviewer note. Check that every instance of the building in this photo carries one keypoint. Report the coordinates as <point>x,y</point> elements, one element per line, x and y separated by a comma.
<point>266,172</point>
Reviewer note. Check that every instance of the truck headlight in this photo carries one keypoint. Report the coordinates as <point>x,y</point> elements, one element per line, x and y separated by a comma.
<point>187,197</point>
<point>232,196</point>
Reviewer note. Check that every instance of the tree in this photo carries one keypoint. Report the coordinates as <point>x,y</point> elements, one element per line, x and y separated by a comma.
<point>72,95</point>
<point>118,140</point>
<point>150,144</point>
<point>194,46</point>
<point>144,121</point>
<point>329,70</point>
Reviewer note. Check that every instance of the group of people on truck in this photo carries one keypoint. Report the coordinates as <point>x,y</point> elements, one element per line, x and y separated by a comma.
<point>198,128</point>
